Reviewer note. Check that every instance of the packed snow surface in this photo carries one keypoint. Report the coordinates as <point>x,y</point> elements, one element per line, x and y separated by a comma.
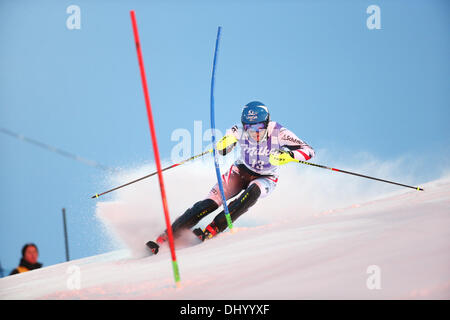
<point>315,237</point>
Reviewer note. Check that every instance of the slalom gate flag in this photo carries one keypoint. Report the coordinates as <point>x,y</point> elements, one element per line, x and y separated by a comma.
<point>213,136</point>
<point>155,149</point>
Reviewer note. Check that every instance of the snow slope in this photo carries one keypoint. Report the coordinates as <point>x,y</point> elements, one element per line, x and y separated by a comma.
<point>316,253</point>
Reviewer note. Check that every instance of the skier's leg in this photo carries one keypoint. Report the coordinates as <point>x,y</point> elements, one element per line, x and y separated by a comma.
<point>190,218</point>
<point>232,186</point>
<point>194,214</point>
<point>258,188</point>
<point>236,208</point>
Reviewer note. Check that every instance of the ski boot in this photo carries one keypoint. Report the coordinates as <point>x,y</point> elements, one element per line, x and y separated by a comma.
<point>154,245</point>
<point>210,231</point>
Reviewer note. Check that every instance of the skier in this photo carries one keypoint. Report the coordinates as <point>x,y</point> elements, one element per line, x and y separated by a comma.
<point>258,137</point>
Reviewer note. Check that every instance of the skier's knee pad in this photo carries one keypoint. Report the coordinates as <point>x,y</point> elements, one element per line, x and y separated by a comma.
<point>194,214</point>
<point>238,206</point>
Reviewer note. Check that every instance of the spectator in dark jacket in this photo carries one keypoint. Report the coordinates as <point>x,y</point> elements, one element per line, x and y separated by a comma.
<point>29,259</point>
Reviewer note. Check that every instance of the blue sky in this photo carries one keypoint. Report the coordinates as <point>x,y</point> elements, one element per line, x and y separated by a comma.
<point>338,85</point>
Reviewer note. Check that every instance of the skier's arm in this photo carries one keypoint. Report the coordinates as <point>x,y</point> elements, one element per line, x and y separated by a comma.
<point>228,142</point>
<point>297,148</point>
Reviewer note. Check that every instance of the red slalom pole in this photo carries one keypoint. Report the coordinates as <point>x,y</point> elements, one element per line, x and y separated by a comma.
<point>155,149</point>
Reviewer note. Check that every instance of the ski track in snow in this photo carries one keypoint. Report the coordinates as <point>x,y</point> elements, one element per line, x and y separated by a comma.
<point>322,253</point>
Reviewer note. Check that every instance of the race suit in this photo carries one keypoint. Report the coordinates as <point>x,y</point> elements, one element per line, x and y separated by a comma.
<point>253,166</point>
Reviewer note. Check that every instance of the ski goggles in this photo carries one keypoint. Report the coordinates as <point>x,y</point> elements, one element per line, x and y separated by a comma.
<point>256,131</point>
<point>255,126</point>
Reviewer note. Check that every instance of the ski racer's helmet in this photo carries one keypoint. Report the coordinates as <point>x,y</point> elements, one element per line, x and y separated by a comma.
<point>255,120</point>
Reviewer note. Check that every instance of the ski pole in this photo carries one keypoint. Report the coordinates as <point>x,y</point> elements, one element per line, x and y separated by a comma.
<point>224,143</point>
<point>283,158</point>
<point>153,173</point>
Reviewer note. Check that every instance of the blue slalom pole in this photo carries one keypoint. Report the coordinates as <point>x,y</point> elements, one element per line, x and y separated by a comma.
<point>213,136</point>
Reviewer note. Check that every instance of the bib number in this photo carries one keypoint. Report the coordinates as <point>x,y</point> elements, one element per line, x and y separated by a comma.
<point>258,164</point>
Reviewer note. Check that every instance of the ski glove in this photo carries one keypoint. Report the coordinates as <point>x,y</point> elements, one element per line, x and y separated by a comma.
<point>279,157</point>
<point>286,150</point>
<point>226,144</point>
